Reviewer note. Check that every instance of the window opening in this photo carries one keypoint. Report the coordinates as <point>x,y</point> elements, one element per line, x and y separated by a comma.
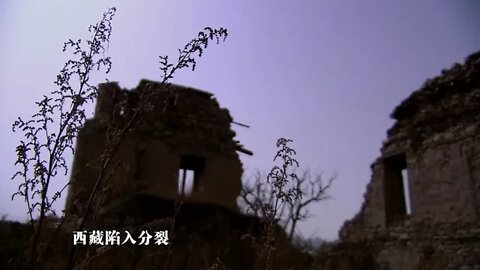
<point>189,174</point>
<point>396,188</point>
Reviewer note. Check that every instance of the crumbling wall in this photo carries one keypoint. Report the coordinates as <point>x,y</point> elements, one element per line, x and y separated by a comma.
<point>434,146</point>
<point>183,129</point>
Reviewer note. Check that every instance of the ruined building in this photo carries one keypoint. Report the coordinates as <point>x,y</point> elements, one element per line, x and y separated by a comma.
<point>421,209</point>
<point>181,149</point>
<point>182,145</point>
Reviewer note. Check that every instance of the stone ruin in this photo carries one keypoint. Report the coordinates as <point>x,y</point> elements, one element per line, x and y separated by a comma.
<point>421,209</point>
<point>182,146</point>
<point>183,137</point>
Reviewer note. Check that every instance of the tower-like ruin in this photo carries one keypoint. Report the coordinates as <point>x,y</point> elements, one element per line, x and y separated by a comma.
<point>182,145</point>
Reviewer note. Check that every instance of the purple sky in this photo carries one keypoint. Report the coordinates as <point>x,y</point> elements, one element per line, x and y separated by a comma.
<point>326,74</point>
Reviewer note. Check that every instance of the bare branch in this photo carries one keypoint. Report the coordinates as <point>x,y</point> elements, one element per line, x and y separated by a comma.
<point>313,189</point>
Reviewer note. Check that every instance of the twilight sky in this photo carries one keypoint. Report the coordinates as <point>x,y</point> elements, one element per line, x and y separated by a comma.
<point>326,74</point>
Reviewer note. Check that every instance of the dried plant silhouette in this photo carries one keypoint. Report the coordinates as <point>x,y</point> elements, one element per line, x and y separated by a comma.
<point>268,200</point>
<point>313,188</point>
<point>49,137</point>
<point>51,132</point>
<point>118,131</point>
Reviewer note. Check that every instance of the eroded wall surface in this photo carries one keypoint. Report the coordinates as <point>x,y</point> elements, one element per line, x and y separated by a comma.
<point>431,159</point>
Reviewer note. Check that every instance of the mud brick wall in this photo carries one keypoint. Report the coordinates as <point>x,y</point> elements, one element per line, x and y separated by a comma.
<point>182,129</point>
<point>434,146</point>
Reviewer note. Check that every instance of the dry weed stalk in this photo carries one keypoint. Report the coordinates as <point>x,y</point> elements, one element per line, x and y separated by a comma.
<point>283,189</point>
<point>284,198</point>
<point>117,133</point>
<point>313,188</point>
<point>50,132</point>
